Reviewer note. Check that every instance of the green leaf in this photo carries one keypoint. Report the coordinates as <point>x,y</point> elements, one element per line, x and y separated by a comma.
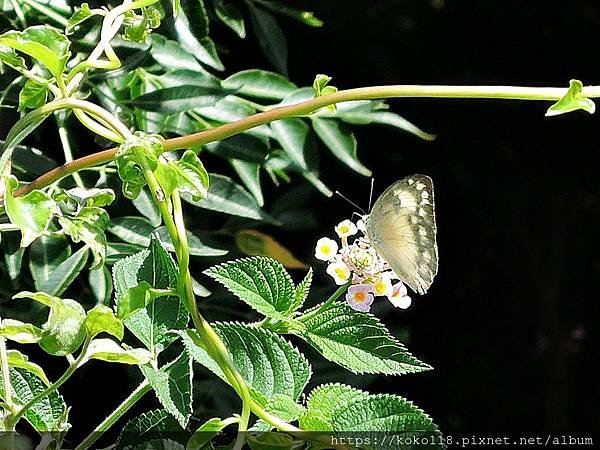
<point>9,57</point>
<point>88,227</point>
<point>362,113</point>
<point>131,229</point>
<point>339,408</point>
<point>206,432</point>
<point>147,426</point>
<point>249,173</point>
<point>269,364</point>
<point>13,255</point>
<point>321,87</point>
<point>45,44</point>
<point>231,16</point>
<point>80,197</point>
<point>274,440</point>
<point>101,319</point>
<point>256,243</point>
<point>32,213</point>
<point>242,146</point>
<point>29,162</point>
<point>154,324</point>
<point>19,360</point>
<point>260,84</point>
<point>64,331</point>
<point>196,246</point>
<point>138,26</point>
<point>33,95</point>
<point>296,140</point>
<point>47,415</point>
<point>356,341</point>
<point>80,15</point>
<point>306,17</point>
<point>109,351</point>
<point>572,101</point>
<point>192,176</point>
<point>341,142</point>
<point>146,206</point>
<point>101,284</point>
<point>173,386</point>
<point>138,297</point>
<point>177,99</point>
<point>129,157</point>
<point>301,291</point>
<point>23,333</point>
<point>261,282</point>
<point>224,195</point>
<point>52,266</point>
<point>270,37</point>
<point>191,28</point>
<point>170,55</point>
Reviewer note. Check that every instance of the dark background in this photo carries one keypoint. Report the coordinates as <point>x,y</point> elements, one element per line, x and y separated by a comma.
<point>510,323</point>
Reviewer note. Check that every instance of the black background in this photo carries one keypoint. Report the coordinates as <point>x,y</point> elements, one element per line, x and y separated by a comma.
<point>510,323</point>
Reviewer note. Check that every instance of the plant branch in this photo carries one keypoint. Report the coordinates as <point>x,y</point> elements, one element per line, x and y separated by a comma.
<point>312,105</point>
<point>125,406</point>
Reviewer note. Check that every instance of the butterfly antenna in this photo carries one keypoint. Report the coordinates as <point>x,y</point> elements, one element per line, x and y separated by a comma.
<point>371,193</point>
<point>350,201</point>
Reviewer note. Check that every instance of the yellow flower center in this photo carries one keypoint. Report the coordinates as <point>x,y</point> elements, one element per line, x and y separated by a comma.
<point>340,272</point>
<point>360,297</point>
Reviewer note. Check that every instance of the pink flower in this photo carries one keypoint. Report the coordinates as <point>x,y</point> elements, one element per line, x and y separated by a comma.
<point>360,297</point>
<point>399,297</point>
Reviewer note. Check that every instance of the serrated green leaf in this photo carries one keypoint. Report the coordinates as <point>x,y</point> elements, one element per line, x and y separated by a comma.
<point>224,195</point>
<point>231,16</point>
<point>64,331</point>
<point>572,101</point>
<point>341,142</point>
<point>177,99</point>
<point>270,37</point>
<point>33,95</point>
<point>146,426</point>
<point>45,44</point>
<point>339,408</point>
<point>172,384</point>
<point>101,319</point>
<point>356,341</point>
<point>52,266</point>
<point>80,15</point>
<point>261,282</point>
<point>301,291</point>
<point>269,364</point>
<point>260,84</point>
<point>109,351</point>
<point>101,284</point>
<point>19,360</point>
<point>139,297</point>
<point>49,413</point>
<point>154,324</point>
<point>32,213</point>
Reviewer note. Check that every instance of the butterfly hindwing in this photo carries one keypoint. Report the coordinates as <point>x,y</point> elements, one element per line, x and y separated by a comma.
<point>401,227</point>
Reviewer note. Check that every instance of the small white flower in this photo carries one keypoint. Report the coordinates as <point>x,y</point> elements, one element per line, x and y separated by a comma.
<point>363,259</point>
<point>326,249</point>
<point>339,271</point>
<point>346,228</point>
<point>399,297</point>
<point>383,285</point>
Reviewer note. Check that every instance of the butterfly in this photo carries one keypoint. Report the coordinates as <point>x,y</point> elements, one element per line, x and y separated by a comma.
<point>401,227</point>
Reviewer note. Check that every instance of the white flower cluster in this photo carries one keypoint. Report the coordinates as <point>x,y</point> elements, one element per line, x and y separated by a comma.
<point>371,275</point>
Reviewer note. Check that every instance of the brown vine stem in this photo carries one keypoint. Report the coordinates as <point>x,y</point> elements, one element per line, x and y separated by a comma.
<point>312,105</point>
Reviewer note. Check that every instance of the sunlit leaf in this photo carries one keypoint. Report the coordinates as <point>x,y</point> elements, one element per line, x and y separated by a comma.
<point>572,101</point>
<point>255,243</point>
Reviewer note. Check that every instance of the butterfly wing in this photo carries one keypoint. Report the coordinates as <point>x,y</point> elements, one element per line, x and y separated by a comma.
<point>402,229</point>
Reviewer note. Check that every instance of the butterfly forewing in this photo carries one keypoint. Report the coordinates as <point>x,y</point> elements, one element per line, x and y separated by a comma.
<point>401,227</point>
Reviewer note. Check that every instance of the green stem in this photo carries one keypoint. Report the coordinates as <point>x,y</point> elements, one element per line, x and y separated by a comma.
<point>327,302</point>
<point>53,387</point>
<point>66,145</point>
<point>8,227</point>
<point>6,385</point>
<point>312,105</point>
<point>125,406</point>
